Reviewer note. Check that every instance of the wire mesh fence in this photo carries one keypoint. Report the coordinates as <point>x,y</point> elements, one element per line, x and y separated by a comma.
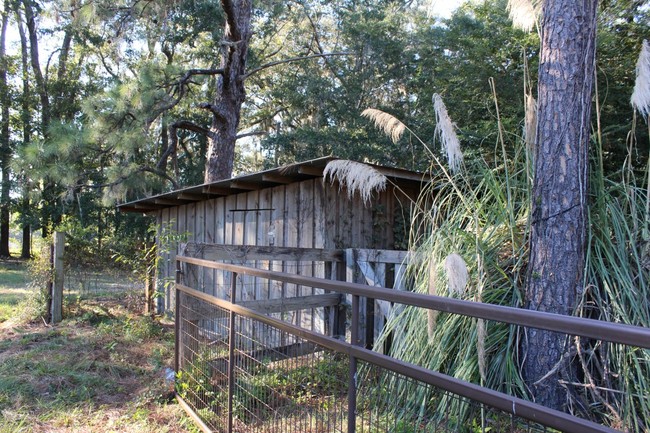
<point>273,381</point>
<point>243,367</point>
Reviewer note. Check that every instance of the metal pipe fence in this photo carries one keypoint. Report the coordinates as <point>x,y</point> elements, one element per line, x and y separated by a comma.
<point>242,371</point>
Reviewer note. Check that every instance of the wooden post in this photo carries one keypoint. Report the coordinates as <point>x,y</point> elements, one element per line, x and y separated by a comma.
<point>150,284</point>
<point>57,287</point>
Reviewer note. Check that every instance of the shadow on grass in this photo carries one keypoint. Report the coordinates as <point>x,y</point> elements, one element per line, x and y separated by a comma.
<point>101,369</point>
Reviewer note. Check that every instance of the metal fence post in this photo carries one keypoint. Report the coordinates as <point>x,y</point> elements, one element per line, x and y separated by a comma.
<point>231,353</point>
<point>352,378</point>
<point>177,320</point>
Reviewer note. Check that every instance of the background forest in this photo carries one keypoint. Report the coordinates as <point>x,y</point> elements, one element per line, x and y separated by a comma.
<point>98,105</point>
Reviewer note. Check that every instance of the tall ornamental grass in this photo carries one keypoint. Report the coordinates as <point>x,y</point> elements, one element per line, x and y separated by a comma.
<point>479,213</point>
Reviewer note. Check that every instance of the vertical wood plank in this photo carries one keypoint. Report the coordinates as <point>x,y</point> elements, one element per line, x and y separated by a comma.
<point>209,238</point>
<point>278,219</point>
<point>198,213</point>
<point>262,238</point>
<point>220,238</point>
<point>57,287</point>
<point>229,234</point>
<point>250,217</point>
<point>306,240</point>
<point>291,237</point>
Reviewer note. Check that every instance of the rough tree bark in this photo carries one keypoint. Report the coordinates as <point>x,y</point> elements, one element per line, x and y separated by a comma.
<point>5,148</point>
<point>559,200</point>
<point>230,96</point>
<point>26,120</point>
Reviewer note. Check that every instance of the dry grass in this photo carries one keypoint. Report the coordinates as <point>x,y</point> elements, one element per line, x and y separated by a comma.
<point>446,133</point>
<point>523,13</point>
<point>388,123</point>
<point>356,177</point>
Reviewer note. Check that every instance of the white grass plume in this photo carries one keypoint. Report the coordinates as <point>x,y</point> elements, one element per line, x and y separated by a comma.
<point>523,14</point>
<point>530,122</point>
<point>641,94</point>
<point>357,177</point>
<point>457,275</point>
<point>446,133</point>
<point>388,123</point>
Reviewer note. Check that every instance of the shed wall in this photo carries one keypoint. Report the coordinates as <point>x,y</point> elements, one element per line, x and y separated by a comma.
<point>308,214</point>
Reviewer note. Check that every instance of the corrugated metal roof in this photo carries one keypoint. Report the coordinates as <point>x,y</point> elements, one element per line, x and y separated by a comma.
<point>264,179</point>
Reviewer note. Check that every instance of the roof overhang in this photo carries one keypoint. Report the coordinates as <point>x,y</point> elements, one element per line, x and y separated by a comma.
<point>264,179</point>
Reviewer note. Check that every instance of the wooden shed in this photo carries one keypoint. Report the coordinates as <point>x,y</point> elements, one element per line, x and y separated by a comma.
<point>288,218</point>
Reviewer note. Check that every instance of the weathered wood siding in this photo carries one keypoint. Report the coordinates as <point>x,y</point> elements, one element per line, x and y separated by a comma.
<point>307,214</point>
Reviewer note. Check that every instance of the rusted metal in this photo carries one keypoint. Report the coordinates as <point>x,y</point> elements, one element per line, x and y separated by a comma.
<point>597,329</point>
<point>177,322</point>
<point>506,403</point>
<point>231,353</point>
<point>188,409</point>
<point>352,377</point>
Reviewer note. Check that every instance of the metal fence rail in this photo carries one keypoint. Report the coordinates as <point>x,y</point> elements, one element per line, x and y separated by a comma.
<point>242,371</point>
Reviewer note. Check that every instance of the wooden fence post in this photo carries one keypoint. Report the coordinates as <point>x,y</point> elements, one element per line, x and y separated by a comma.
<point>150,281</point>
<point>57,287</point>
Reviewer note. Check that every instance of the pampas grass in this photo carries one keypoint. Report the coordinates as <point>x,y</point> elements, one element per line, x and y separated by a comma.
<point>530,127</point>
<point>457,275</point>
<point>641,94</point>
<point>457,278</point>
<point>388,123</point>
<point>356,177</point>
<point>523,14</point>
<point>446,133</point>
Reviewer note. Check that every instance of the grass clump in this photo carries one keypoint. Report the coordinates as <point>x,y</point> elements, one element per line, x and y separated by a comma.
<point>480,213</point>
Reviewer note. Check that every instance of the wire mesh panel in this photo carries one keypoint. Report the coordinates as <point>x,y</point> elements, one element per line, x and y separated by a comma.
<point>297,387</point>
<point>391,402</point>
<point>202,377</point>
<point>245,368</point>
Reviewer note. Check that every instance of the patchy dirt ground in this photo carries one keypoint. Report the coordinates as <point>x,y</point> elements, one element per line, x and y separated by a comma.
<point>101,370</point>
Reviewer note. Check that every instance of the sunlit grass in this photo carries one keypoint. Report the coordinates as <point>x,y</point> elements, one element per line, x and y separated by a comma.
<point>13,289</point>
<point>101,369</point>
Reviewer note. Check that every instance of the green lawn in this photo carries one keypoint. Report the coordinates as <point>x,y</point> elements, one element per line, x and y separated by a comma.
<point>13,287</point>
<point>101,369</point>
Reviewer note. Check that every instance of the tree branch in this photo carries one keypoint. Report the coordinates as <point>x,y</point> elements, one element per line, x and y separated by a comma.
<point>189,126</point>
<point>250,134</point>
<point>173,138</point>
<point>291,60</point>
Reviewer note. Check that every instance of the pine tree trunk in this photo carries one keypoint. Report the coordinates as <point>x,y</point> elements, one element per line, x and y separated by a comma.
<point>26,119</point>
<point>559,200</point>
<point>5,148</point>
<point>230,91</point>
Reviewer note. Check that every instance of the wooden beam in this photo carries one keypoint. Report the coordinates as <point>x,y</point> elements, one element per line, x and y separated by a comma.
<point>277,178</point>
<point>168,202</point>
<point>246,186</point>
<point>381,256</point>
<point>311,170</point>
<point>268,306</point>
<point>245,252</point>
<point>57,287</point>
<point>147,206</point>
<point>191,197</point>
<point>216,190</point>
